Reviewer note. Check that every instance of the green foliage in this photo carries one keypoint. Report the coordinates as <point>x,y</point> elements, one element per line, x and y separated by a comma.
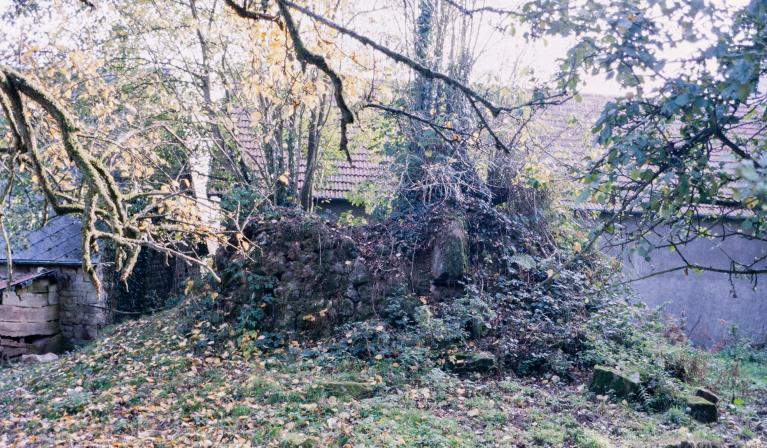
<point>677,416</point>
<point>739,373</point>
<point>665,140</point>
<point>367,340</point>
<point>686,364</point>
<point>241,200</point>
<point>349,219</point>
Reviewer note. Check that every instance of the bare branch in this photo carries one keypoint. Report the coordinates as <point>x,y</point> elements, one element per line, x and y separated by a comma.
<point>490,9</point>
<point>494,109</point>
<point>242,11</point>
<point>306,56</point>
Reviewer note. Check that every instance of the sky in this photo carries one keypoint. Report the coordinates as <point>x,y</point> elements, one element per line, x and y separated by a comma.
<point>502,56</point>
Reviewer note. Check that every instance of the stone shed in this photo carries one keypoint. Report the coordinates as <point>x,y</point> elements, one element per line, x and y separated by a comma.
<point>48,264</point>
<point>48,261</point>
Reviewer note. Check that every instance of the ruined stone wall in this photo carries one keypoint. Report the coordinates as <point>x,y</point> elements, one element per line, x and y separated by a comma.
<point>307,275</point>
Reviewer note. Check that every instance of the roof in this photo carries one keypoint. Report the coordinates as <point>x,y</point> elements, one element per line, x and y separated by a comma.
<point>24,278</point>
<point>334,182</point>
<point>563,132</point>
<point>57,243</point>
<point>566,128</point>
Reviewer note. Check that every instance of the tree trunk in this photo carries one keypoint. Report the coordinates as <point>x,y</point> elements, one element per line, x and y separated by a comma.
<point>422,86</point>
<point>312,155</point>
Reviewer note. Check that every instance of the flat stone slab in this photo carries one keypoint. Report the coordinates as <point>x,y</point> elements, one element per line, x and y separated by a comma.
<point>608,380</point>
<point>39,359</point>
<point>701,409</point>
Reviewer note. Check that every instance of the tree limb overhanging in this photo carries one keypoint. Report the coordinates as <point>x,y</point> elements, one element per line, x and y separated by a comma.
<point>306,56</point>
<point>102,202</point>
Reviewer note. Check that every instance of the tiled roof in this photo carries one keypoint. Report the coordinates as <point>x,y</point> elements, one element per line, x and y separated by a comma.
<point>335,181</point>
<point>563,132</point>
<point>566,128</point>
<point>56,243</point>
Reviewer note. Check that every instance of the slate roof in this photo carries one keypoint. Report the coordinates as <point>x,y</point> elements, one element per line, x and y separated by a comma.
<point>337,180</point>
<point>58,243</point>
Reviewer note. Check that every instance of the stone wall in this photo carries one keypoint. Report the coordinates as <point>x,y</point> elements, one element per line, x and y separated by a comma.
<point>155,280</point>
<point>29,318</point>
<point>83,311</point>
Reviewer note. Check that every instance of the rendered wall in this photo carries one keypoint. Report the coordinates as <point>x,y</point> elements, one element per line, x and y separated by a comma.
<point>708,303</point>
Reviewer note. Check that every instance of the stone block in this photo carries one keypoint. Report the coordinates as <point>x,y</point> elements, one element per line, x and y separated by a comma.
<point>38,359</point>
<point>53,297</point>
<point>25,299</point>
<point>707,395</point>
<point>10,313</point>
<point>40,286</point>
<point>701,409</point>
<point>19,329</point>
<point>450,259</point>
<point>607,380</point>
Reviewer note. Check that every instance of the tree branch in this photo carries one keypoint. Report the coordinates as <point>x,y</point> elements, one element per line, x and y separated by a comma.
<point>248,14</point>
<point>494,109</point>
<point>305,56</point>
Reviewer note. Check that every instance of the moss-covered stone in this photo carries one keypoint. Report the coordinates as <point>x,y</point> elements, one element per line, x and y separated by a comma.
<point>607,380</point>
<point>352,389</point>
<point>480,362</point>
<point>707,395</point>
<point>701,409</point>
<point>450,256</point>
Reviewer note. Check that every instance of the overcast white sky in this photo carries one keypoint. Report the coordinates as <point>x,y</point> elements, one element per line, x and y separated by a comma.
<point>502,55</point>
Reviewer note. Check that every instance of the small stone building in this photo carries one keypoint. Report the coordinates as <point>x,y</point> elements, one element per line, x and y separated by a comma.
<point>48,268</point>
<point>48,274</point>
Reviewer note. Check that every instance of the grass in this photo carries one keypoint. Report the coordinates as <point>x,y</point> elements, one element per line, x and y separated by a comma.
<point>143,385</point>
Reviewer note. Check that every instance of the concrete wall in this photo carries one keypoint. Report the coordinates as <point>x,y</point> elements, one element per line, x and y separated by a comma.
<point>708,303</point>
